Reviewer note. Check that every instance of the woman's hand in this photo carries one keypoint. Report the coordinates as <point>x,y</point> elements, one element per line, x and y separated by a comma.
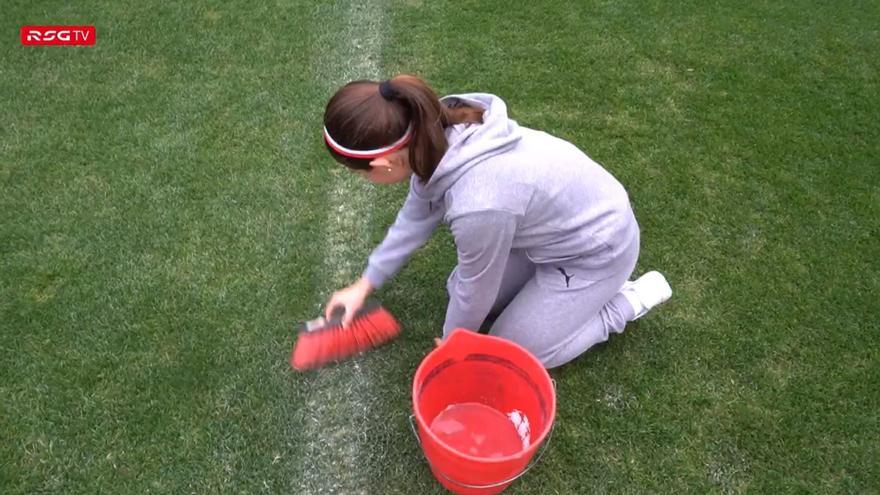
<point>351,298</point>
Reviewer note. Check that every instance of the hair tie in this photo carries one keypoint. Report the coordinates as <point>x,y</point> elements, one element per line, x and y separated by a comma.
<point>386,90</point>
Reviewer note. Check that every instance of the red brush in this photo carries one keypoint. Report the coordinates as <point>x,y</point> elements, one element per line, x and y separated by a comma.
<point>322,341</point>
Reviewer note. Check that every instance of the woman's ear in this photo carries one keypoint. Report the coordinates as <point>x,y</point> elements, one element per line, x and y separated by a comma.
<point>380,162</point>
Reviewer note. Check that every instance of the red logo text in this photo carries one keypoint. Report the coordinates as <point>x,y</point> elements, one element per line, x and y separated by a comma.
<point>58,35</point>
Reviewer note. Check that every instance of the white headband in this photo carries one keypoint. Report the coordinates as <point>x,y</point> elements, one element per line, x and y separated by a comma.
<point>374,153</point>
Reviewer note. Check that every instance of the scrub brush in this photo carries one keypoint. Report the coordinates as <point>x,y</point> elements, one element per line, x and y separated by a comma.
<point>322,341</point>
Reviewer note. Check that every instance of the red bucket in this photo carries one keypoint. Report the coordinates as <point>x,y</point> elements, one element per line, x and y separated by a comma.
<point>474,369</point>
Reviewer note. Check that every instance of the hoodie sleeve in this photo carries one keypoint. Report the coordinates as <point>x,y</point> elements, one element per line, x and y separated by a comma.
<point>415,223</point>
<point>483,240</point>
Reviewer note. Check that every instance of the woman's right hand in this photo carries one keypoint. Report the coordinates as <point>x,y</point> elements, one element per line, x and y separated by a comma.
<point>351,298</point>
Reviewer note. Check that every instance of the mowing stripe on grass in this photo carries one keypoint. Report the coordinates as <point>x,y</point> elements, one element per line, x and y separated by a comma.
<point>342,399</point>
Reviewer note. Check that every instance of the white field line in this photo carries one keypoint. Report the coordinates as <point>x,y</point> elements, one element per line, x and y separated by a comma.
<point>341,400</point>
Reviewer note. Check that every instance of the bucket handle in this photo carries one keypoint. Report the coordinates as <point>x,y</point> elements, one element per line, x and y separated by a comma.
<point>412,425</point>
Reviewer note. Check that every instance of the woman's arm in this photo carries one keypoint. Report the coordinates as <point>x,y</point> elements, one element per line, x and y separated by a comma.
<point>483,241</point>
<point>413,227</point>
<point>415,222</point>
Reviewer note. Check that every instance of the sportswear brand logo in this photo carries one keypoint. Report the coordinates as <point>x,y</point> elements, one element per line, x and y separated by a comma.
<point>566,275</point>
<point>57,35</point>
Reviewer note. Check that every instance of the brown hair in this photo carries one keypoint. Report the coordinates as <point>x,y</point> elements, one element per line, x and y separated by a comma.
<point>359,117</point>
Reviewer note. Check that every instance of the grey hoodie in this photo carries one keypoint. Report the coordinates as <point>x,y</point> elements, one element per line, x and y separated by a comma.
<point>501,186</point>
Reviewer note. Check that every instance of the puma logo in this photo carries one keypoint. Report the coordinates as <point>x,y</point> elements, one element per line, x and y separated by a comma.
<point>566,275</point>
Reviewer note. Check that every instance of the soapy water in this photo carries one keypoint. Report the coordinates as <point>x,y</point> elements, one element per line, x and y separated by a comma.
<point>481,431</point>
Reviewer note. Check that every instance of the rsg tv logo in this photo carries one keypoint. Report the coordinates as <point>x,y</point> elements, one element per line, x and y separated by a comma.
<point>58,35</point>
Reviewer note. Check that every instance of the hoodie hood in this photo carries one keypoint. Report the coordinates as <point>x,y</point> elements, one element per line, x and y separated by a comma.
<point>470,144</point>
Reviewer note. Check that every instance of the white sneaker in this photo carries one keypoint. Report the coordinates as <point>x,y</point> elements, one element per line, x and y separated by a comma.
<point>645,292</point>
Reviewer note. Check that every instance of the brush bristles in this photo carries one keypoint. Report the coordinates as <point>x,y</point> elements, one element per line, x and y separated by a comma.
<point>370,329</point>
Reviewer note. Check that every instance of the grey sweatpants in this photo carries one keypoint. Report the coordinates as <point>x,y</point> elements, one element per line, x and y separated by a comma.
<point>557,314</point>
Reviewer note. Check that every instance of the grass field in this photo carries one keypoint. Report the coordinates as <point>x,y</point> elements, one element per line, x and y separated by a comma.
<point>168,213</point>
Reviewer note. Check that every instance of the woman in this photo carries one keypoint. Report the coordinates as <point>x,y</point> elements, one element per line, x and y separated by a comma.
<point>546,237</point>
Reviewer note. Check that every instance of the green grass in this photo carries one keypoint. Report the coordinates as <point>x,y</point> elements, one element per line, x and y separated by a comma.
<point>163,225</point>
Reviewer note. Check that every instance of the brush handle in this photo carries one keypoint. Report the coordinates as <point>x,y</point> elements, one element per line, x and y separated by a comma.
<point>338,312</point>
<point>336,316</point>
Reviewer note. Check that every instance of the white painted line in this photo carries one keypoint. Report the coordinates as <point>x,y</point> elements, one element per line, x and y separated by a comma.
<point>342,399</point>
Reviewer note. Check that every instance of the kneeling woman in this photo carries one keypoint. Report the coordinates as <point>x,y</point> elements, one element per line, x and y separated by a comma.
<point>546,237</point>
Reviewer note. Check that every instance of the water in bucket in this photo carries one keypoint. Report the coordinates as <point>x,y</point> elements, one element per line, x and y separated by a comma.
<point>478,430</point>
